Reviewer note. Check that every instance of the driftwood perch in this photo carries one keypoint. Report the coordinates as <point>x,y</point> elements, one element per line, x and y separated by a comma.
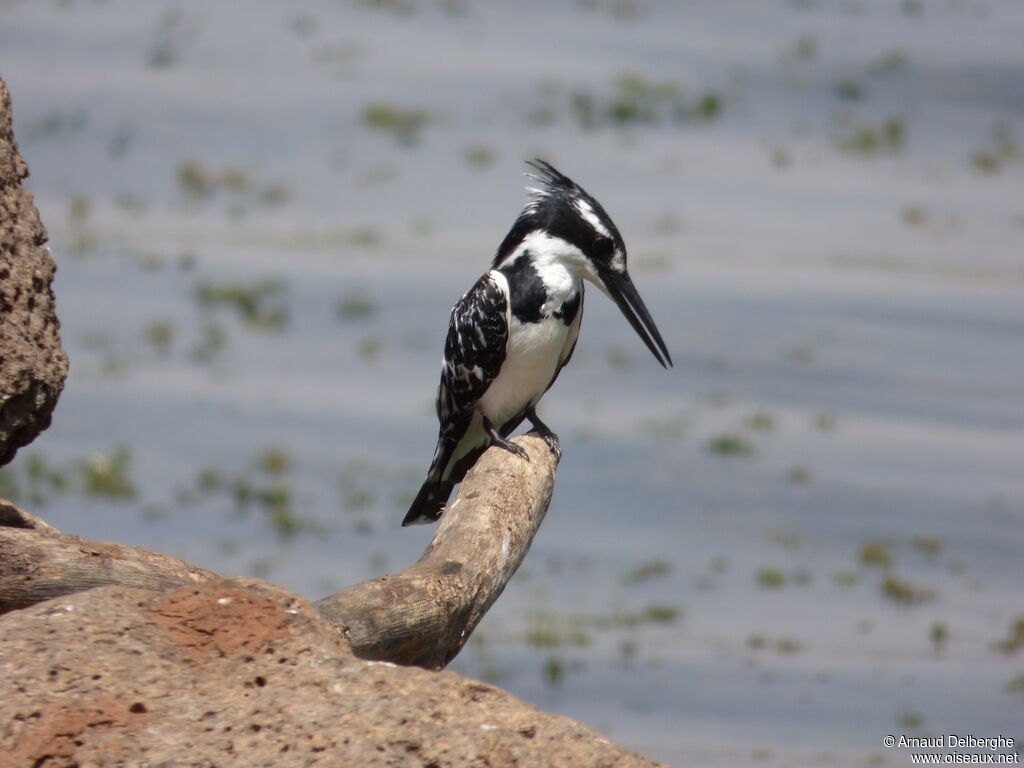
<point>425,614</point>
<point>421,616</point>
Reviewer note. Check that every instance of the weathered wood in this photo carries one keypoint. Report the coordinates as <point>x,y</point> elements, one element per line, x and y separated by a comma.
<point>38,562</point>
<point>426,613</point>
<point>422,616</point>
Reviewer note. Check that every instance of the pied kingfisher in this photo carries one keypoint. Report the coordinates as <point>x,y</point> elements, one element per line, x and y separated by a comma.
<point>514,331</point>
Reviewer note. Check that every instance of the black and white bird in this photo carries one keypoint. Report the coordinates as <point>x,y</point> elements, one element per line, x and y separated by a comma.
<point>515,330</point>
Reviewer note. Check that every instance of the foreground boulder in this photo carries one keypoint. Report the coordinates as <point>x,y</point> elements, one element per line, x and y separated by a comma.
<point>242,673</point>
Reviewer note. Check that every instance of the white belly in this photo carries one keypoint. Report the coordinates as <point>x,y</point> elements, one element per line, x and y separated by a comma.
<point>531,360</point>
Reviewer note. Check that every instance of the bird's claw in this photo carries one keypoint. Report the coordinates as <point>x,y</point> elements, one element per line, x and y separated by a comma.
<point>518,450</point>
<point>551,439</point>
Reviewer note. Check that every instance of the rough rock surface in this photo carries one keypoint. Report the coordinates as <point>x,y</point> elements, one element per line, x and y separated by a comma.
<point>241,673</point>
<point>33,364</point>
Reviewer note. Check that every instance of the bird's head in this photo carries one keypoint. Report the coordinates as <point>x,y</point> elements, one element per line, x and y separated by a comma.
<point>562,223</point>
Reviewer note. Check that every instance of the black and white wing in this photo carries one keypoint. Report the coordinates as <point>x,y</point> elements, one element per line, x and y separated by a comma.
<point>474,352</point>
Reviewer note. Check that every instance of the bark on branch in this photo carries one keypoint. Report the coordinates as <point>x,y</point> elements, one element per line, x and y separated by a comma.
<point>421,616</point>
<point>425,614</point>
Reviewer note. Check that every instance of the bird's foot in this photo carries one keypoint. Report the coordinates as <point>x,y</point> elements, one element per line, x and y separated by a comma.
<point>497,439</point>
<point>552,440</point>
<point>518,450</point>
<point>545,432</point>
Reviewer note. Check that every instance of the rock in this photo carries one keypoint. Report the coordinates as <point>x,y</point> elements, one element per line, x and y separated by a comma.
<point>33,364</point>
<point>241,673</point>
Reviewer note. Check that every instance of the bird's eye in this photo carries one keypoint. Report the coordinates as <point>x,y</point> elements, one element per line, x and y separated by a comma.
<point>603,248</point>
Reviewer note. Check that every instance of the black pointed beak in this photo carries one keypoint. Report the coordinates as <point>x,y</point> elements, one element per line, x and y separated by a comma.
<point>624,293</point>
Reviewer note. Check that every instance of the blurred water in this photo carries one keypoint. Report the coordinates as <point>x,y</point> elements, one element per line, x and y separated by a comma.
<point>842,299</point>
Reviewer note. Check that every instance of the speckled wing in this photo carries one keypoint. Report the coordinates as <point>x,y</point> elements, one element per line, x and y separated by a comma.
<point>473,352</point>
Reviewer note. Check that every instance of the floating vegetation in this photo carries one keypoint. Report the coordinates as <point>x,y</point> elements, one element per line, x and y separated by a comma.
<point>159,334</point>
<point>261,305</point>
<point>876,554</point>
<point>79,208</point>
<point>56,125</point>
<point>369,347</point>
<point>905,592</point>
<point>9,488</point>
<point>666,426</point>
<point>824,422</point>
<point>659,613</point>
<point>914,216</point>
<point>788,645</point>
<point>479,156</point>
<point>404,124</point>
<point>868,139</point>
<point>730,445</point>
<point>631,100</point>
<point>761,420</point>
<point>985,161</point>
<point>1003,149</point>
<point>800,353</point>
<point>403,7</point>
<point>194,180</point>
<point>174,30</point>
<point>759,642</point>
<point>845,579</point>
<point>546,630</point>
<point>805,48</point>
<point>274,462</point>
<point>274,499</point>
<point>652,569</point>
<point>893,60</point>
<point>939,635</point>
<point>770,578</point>
<point>356,484</point>
<point>266,487</point>
<point>213,339</point>
<point>1014,640</point>
<point>617,9</point>
<point>618,358</point>
<point>654,613</point>
<point>849,90</point>
<point>929,546</point>
<point>799,475</point>
<point>83,239</point>
<point>106,476</point>
<point>666,224</point>
<point>553,670</point>
<point>909,720</point>
<point>782,158</point>
<point>354,305</point>
<point>44,478</point>
<point>210,480</point>
<point>198,182</point>
<point>627,651</point>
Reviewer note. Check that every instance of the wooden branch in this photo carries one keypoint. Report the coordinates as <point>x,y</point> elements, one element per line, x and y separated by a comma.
<point>422,616</point>
<point>426,613</point>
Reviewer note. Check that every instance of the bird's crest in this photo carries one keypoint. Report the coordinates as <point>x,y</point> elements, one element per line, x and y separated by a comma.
<point>558,205</point>
<point>553,183</point>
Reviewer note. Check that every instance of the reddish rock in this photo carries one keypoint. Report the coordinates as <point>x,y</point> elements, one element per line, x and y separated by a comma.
<point>241,673</point>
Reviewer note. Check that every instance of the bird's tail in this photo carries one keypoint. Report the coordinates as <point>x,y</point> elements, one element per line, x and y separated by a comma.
<point>429,502</point>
